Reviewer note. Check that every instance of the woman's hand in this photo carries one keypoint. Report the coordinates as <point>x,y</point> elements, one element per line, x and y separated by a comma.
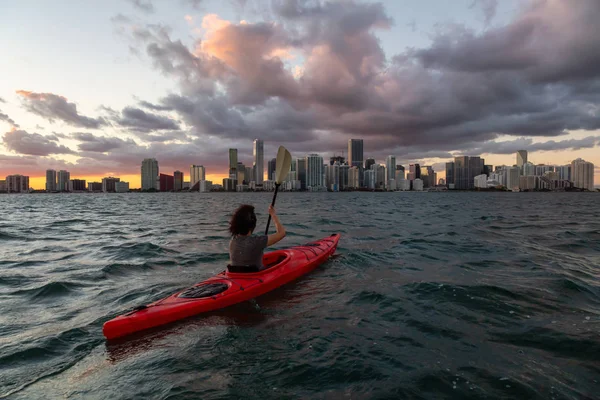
<point>272,212</point>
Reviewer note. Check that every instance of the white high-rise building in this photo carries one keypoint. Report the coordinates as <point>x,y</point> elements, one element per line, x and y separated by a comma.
<point>149,171</point>
<point>353,177</point>
<point>528,169</point>
<point>381,177</point>
<point>333,176</point>
<point>50,180</point>
<point>400,175</point>
<point>370,179</point>
<point>418,184</point>
<point>63,181</point>
<point>564,172</point>
<point>17,184</point>
<point>314,171</point>
<point>403,184</point>
<point>481,181</point>
<point>540,170</point>
<point>121,187</point>
<point>528,182</point>
<point>521,160</point>
<point>512,177</point>
<point>391,185</point>
<point>259,161</point>
<point>197,174</point>
<point>205,186</point>
<point>390,165</point>
<point>582,174</point>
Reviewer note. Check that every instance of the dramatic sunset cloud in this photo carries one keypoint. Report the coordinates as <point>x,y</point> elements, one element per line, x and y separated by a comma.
<point>312,74</point>
<point>53,107</point>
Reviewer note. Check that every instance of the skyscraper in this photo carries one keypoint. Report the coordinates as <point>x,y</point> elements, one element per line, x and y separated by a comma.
<point>259,159</point>
<point>314,171</point>
<point>241,174</point>
<point>344,177</point>
<point>339,159</point>
<point>564,172</point>
<point>521,159</point>
<point>50,180</point>
<point>149,174</point>
<point>380,176</point>
<point>582,174</point>
<point>461,173</point>
<point>197,174</point>
<point>428,176</point>
<point>390,164</point>
<point>465,170</point>
<point>449,173</point>
<point>353,177</point>
<point>528,169</point>
<point>368,163</point>
<point>178,180</point>
<point>63,181</point>
<point>17,184</point>
<point>109,184</point>
<point>414,172</point>
<point>301,172</point>
<point>271,168</point>
<point>355,152</point>
<point>512,177</point>
<point>333,177</point>
<point>370,178</point>
<point>233,160</point>
<point>166,182</point>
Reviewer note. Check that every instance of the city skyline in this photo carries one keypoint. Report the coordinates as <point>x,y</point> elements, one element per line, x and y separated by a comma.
<point>183,84</point>
<point>313,173</point>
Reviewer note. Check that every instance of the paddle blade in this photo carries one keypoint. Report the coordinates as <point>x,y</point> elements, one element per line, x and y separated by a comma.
<point>283,164</point>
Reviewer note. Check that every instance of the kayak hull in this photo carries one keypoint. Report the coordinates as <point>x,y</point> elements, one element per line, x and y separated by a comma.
<point>283,266</point>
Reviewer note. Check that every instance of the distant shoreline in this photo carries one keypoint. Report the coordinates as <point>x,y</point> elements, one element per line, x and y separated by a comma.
<point>597,190</point>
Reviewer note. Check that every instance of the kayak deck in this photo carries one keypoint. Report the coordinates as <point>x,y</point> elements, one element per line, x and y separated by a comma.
<point>226,288</point>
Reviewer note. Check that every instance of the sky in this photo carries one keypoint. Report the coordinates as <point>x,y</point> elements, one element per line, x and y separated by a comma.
<point>95,87</point>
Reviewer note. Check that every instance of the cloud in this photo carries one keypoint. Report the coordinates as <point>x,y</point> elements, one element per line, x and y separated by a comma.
<point>488,8</point>
<point>139,120</point>
<point>33,144</point>
<point>6,118</point>
<point>154,107</point>
<point>316,75</point>
<point>143,5</point>
<point>194,3</point>
<point>100,144</point>
<point>52,107</point>
<point>120,19</point>
<point>2,100</point>
<point>512,146</point>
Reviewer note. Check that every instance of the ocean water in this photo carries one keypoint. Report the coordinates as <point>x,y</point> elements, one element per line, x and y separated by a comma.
<point>431,296</point>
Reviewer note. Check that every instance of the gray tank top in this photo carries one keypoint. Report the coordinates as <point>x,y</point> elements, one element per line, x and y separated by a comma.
<point>247,250</point>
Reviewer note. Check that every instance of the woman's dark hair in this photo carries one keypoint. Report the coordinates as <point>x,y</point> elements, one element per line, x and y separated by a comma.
<point>243,220</point>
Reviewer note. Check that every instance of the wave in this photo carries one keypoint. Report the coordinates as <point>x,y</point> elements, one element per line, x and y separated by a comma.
<point>68,222</point>
<point>9,236</point>
<point>136,250</point>
<point>551,341</point>
<point>49,290</point>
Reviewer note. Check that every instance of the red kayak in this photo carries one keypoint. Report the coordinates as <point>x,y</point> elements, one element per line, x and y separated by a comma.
<point>226,288</point>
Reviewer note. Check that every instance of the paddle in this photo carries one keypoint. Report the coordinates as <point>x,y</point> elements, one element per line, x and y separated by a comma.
<point>282,169</point>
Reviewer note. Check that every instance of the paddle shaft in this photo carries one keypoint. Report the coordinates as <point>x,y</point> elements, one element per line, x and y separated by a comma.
<point>272,204</point>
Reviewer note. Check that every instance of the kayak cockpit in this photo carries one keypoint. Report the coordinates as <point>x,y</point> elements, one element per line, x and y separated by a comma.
<point>271,261</point>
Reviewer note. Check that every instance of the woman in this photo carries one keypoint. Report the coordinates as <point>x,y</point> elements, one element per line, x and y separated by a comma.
<point>245,250</point>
